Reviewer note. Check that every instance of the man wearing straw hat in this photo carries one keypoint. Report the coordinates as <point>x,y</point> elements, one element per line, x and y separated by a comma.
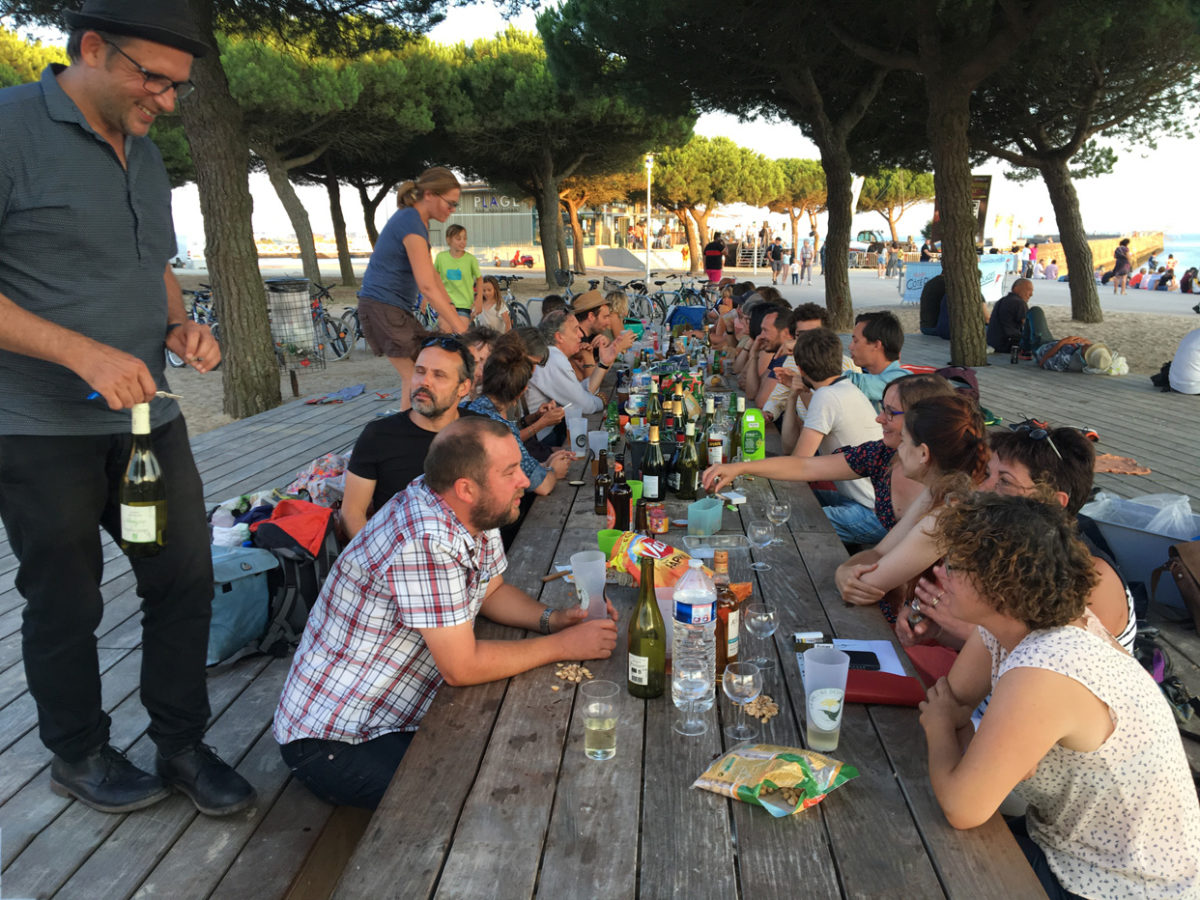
<point>87,303</point>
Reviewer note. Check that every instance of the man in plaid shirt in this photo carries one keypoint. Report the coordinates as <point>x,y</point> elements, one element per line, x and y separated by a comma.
<point>396,618</point>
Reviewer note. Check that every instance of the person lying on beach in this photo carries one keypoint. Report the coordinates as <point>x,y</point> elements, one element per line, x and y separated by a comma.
<point>1075,726</point>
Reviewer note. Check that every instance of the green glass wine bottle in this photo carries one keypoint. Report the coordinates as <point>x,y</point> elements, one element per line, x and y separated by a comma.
<point>647,640</point>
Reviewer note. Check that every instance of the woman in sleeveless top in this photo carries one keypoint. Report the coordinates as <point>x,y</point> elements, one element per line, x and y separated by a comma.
<point>1075,726</point>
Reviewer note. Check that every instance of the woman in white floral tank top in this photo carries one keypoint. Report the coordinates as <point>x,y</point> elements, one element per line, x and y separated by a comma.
<point>1075,726</point>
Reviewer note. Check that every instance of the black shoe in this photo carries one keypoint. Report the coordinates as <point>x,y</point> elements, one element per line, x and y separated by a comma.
<point>210,782</point>
<point>106,781</point>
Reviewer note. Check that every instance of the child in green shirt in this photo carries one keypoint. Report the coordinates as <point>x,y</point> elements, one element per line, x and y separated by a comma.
<point>460,273</point>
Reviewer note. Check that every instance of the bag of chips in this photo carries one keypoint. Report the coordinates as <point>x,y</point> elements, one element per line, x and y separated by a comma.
<point>625,560</point>
<point>782,780</point>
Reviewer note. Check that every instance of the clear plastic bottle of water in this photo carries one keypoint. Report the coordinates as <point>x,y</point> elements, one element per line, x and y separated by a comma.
<point>696,628</point>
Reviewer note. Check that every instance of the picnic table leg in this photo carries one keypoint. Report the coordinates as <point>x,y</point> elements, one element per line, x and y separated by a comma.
<point>295,383</point>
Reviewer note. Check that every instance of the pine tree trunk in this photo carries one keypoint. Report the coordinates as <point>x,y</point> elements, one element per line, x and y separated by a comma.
<point>695,248</point>
<point>1085,299</point>
<point>701,220</point>
<point>219,146</point>
<point>292,205</point>
<point>836,271</point>
<point>891,217</point>
<point>949,117</point>
<point>333,188</point>
<point>795,217</point>
<point>548,218</point>
<point>576,234</point>
<point>370,205</point>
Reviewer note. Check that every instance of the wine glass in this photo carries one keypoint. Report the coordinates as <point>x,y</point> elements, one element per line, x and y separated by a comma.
<point>689,680</point>
<point>760,621</point>
<point>778,513</point>
<point>760,533</point>
<point>742,682</point>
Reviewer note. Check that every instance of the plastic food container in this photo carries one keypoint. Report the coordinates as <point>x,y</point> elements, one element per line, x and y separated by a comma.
<point>704,516</point>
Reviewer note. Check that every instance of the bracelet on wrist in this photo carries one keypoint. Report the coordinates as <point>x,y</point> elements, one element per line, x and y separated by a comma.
<point>544,622</point>
<point>601,366</point>
<point>171,327</point>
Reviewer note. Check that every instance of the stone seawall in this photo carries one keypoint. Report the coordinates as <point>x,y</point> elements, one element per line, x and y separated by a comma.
<point>1142,244</point>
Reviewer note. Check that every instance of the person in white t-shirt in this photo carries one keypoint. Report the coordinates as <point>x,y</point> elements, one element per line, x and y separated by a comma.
<point>1185,367</point>
<point>839,414</point>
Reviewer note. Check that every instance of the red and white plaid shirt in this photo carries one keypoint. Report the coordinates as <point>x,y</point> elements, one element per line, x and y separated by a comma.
<point>362,669</point>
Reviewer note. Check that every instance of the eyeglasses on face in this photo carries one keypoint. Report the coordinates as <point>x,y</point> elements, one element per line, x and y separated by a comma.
<point>453,204</point>
<point>155,83</point>
<point>892,414</point>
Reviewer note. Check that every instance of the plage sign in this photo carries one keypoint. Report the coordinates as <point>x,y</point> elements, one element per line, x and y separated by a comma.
<point>991,277</point>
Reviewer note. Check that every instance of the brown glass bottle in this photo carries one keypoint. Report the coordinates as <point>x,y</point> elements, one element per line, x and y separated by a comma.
<point>603,483</point>
<point>621,497</point>
<point>728,613</point>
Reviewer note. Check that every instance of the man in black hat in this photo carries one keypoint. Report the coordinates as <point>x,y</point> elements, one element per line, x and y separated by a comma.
<point>87,303</point>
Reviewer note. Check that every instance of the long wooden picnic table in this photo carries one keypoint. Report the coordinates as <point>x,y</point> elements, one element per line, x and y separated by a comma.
<point>495,797</point>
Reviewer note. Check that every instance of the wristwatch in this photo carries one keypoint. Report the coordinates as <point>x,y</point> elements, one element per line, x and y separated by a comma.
<point>544,622</point>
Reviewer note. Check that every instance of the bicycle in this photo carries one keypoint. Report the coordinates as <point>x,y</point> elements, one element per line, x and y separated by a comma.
<point>518,313</point>
<point>329,329</point>
<point>202,309</point>
<point>352,328</point>
<point>564,278</point>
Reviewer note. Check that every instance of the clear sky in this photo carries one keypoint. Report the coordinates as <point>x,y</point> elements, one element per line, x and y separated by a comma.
<point>1148,190</point>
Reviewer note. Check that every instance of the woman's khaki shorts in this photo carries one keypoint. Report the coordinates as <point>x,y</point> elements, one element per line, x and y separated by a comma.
<point>390,330</point>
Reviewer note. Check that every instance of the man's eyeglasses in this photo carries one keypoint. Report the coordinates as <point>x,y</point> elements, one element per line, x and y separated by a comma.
<point>892,414</point>
<point>453,204</point>
<point>1036,431</point>
<point>153,82</point>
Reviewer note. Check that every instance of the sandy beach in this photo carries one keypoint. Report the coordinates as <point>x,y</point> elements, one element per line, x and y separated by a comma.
<point>1146,340</point>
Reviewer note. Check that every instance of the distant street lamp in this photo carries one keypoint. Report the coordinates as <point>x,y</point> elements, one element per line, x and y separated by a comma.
<point>649,170</point>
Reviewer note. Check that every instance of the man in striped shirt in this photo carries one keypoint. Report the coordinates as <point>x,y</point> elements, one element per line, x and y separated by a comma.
<point>396,618</point>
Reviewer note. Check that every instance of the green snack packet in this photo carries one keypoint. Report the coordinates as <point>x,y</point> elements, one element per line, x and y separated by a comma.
<point>782,780</point>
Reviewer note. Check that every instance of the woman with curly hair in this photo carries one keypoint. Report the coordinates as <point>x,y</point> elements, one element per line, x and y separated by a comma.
<point>943,444</point>
<point>1075,727</point>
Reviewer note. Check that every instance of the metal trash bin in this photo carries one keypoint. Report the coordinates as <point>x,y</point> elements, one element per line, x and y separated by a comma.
<point>289,307</point>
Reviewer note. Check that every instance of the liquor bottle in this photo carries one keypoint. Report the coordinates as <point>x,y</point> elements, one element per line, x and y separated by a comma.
<point>654,410</point>
<point>754,435</point>
<point>641,520</point>
<point>142,494</point>
<point>654,470</point>
<point>620,497</point>
<point>706,419</point>
<point>603,483</point>
<point>666,433</point>
<point>647,640</point>
<point>728,613</point>
<point>687,466</point>
<point>672,465</point>
<point>735,437</point>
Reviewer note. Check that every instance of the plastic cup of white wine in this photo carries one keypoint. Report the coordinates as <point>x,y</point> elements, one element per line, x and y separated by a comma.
<point>599,700</point>
<point>825,671</point>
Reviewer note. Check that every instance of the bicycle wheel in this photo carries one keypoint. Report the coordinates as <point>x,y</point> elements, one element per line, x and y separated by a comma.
<point>335,337</point>
<point>352,329</point>
<point>640,306</point>
<point>518,314</point>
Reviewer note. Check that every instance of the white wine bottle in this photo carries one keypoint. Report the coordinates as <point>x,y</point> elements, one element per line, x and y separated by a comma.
<point>142,494</point>
<point>654,470</point>
<point>647,639</point>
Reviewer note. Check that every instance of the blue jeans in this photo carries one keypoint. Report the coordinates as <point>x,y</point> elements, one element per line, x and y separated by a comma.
<point>853,522</point>
<point>347,774</point>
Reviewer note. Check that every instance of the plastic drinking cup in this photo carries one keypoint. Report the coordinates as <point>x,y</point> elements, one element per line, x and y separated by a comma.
<point>577,434</point>
<point>588,568</point>
<point>597,441</point>
<point>825,671</point>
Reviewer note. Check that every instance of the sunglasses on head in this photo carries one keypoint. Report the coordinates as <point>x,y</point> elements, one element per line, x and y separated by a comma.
<point>1037,431</point>
<point>446,342</point>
